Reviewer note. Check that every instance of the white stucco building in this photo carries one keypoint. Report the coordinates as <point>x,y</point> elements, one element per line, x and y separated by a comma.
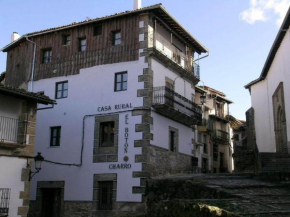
<point>215,133</point>
<point>124,86</point>
<point>270,96</point>
<point>17,133</point>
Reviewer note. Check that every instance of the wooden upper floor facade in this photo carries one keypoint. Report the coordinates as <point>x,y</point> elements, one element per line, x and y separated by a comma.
<point>63,51</point>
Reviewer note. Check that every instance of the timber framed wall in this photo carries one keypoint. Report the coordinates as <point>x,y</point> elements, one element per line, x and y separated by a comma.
<point>67,59</point>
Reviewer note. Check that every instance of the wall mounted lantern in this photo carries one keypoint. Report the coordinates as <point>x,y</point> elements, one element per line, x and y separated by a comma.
<point>38,159</point>
<point>202,99</point>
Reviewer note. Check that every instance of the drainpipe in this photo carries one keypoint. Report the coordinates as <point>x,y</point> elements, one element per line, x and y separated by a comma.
<point>202,57</point>
<point>33,64</point>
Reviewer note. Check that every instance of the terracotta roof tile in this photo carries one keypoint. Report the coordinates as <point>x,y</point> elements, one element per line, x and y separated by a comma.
<point>21,93</point>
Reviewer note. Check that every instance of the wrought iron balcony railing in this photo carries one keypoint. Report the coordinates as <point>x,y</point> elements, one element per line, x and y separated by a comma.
<point>4,201</point>
<point>174,54</point>
<point>10,130</point>
<point>167,97</point>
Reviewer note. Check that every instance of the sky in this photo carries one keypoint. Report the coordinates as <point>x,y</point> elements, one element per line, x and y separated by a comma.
<point>238,33</point>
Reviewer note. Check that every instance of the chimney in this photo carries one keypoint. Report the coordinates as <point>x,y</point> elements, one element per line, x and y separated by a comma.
<point>137,4</point>
<point>14,36</point>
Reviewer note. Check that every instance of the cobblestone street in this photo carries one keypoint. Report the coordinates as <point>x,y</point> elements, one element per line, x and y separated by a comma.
<point>242,195</point>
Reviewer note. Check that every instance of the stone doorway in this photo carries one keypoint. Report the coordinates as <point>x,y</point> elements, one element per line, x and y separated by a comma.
<point>51,202</point>
<point>280,120</point>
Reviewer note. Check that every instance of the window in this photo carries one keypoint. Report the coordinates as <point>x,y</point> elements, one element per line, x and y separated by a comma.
<point>120,81</point>
<point>105,195</point>
<point>116,37</point>
<point>66,39</point>
<point>46,56</point>
<point>107,134</point>
<point>215,152</point>
<point>61,90</point>
<point>204,144</point>
<point>172,141</point>
<point>82,44</point>
<point>192,97</point>
<point>98,30</point>
<point>199,138</point>
<point>55,136</point>
<point>176,54</point>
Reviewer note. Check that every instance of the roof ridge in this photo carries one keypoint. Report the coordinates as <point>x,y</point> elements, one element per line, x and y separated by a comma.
<point>91,20</point>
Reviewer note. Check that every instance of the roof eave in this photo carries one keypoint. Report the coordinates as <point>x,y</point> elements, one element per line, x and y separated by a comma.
<point>275,47</point>
<point>149,8</point>
<point>27,97</point>
<point>205,50</point>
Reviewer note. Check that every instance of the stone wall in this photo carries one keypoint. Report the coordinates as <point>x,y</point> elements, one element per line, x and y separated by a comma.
<point>108,153</point>
<point>162,162</point>
<point>246,157</point>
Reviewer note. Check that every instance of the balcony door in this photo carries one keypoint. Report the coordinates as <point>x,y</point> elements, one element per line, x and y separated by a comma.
<point>169,92</point>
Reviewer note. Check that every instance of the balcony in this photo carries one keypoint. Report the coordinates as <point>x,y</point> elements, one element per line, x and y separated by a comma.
<point>12,132</point>
<point>173,57</point>
<point>174,106</point>
<point>221,136</point>
<point>206,125</point>
<point>4,201</point>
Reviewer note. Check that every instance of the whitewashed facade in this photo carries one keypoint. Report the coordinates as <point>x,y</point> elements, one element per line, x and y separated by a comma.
<point>215,133</point>
<point>17,133</point>
<point>150,123</point>
<point>270,96</point>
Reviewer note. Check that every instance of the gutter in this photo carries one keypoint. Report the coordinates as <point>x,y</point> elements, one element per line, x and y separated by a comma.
<point>202,57</point>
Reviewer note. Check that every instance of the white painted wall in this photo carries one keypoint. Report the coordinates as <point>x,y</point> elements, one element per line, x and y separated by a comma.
<point>261,97</point>
<point>12,167</point>
<point>161,123</point>
<point>161,127</point>
<point>92,88</point>
<point>159,74</point>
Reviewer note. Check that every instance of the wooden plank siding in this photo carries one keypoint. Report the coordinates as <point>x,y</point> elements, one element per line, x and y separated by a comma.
<point>66,59</point>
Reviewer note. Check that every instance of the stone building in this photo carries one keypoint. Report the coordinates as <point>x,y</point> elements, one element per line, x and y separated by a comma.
<point>123,85</point>
<point>18,110</point>
<point>215,132</point>
<point>270,98</point>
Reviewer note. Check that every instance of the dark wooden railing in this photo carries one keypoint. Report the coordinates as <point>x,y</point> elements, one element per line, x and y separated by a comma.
<point>4,201</point>
<point>164,95</point>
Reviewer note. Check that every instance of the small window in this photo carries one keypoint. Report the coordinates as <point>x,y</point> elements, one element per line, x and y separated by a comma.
<point>55,136</point>
<point>215,152</point>
<point>117,37</point>
<point>46,56</point>
<point>204,144</point>
<point>199,138</point>
<point>98,30</point>
<point>66,39</point>
<point>105,195</point>
<point>172,141</point>
<point>61,90</point>
<point>107,134</point>
<point>82,44</point>
<point>192,97</point>
<point>121,81</point>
